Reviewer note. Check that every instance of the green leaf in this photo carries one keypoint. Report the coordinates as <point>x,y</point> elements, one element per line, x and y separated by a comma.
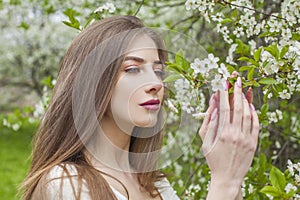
<point>245,68</point>
<point>226,20</point>
<point>246,59</point>
<point>284,50</point>
<point>264,108</point>
<point>74,23</point>
<point>273,50</point>
<point>250,74</point>
<point>277,179</point>
<point>230,68</point>
<point>265,122</point>
<point>274,192</point>
<point>15,2</point>
<point>172,77</point>
<point>256,84</point>
<point>174,67</point>
<point>296,36</point>
<point>242,48</point>
<point>24,25</point>
<point>267,81</point>
<point>181,61</point>
<point>264,34</point>
<point>257,54</point>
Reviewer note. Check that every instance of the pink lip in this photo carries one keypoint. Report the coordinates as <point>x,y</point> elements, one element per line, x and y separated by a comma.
<point>153,104</point>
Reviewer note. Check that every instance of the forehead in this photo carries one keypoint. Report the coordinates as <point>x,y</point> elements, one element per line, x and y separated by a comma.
<point>142,46</point>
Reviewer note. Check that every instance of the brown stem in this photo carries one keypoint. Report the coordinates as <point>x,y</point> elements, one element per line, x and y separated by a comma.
<point>256,11</point>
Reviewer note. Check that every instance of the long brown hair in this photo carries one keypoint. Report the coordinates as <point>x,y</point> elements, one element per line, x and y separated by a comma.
<point>57,140</point>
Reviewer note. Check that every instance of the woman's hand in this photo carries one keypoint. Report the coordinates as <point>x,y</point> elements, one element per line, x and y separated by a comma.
<point>229,141</point>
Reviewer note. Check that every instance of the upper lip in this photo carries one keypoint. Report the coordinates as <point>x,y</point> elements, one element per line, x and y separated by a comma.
<point>151,102</point>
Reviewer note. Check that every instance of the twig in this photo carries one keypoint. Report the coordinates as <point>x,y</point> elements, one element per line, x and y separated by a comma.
<point>139,8</point>
<point>189,179</point>
<point>256,11</point>
<point>181,21</point>
<point>171,5</point>
<point>280,152</point>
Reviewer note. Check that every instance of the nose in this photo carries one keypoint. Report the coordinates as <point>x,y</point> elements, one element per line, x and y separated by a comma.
<point>153,87</point>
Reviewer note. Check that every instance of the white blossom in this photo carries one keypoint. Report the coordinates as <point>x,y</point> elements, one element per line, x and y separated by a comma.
<point>290,167</point>
<point>218,83</point>
<point>270,95</point>
<point>191,5</point>
<point>223,70</point>
<point>289,187</point>
<point>229,58</point>
<point>211,61</point>
<point>284,94</point>
<point>274,25</point>
<point>110,7</point>
<point>238,32</point>
<point>218,17</point>
<point>199,66</point>
<point>186,106</point>
<point>16,127</point>
<point>6,123</point>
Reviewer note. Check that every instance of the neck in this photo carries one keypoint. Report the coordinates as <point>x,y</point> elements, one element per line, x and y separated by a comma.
<point>109,149</point>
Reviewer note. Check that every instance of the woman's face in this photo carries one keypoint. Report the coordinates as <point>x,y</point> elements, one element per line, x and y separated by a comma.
<point>138,94</point>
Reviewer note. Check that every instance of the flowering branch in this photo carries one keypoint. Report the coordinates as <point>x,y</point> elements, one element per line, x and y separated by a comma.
<point>245,7</point>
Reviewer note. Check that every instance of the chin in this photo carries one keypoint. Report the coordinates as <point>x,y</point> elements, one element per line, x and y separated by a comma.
<point>146,124</point>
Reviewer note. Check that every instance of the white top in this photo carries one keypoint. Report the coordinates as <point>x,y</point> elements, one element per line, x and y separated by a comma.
<point>53,189</point>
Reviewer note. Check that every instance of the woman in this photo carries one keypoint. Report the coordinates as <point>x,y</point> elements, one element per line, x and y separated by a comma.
<point>100,136</point>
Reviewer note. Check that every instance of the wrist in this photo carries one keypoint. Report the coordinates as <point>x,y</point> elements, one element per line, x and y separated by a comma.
<point>223,189</point>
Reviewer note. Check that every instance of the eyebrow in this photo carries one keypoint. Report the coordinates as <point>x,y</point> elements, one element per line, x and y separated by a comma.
<point>140,60</point>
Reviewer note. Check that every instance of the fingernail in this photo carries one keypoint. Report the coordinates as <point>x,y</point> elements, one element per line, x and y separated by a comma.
<point>252,106</point>
<point>243,95</point>
<point>234,74</point>
<point>225,86</point>
<point>239,82</point>
<point>214,114</point>
<point>212,99</point>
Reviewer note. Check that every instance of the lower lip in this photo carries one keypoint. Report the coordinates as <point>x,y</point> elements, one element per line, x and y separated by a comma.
<point>151,107</point>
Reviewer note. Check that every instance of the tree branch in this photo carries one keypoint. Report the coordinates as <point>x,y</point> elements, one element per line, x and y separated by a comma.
<point>256,11</point>
<point>139,8</point>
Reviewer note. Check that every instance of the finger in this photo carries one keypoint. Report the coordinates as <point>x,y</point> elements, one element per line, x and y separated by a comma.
<point>249,95</point>
<point>255,124</point>
<point>231,106</point>
<point>224,110</point>
<point>246,128</point>
<point>204,127</point>
<point>211,133</point>
<point>238,103</point>
<point>234,74</point>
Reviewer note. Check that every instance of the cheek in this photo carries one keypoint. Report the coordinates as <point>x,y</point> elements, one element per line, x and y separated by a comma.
<point>123,97</point>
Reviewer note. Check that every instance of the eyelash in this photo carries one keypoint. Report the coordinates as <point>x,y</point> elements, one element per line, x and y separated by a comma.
<point>159,73</point>
<point>132,70</point>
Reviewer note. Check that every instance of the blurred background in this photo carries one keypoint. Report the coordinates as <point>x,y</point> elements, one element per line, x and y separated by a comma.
<point>34,35</point>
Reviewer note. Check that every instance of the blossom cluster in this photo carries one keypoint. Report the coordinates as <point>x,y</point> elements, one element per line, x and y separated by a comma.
<point>109,7</point>
<point>274,116</point>
<point>15,126</point>
<point>294,170</point>
<point>205,68</point>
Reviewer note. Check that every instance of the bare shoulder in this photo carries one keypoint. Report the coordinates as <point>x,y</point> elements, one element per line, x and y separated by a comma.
<point>166,190</point>
<point>62,171</point>
<point>63,183</point>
